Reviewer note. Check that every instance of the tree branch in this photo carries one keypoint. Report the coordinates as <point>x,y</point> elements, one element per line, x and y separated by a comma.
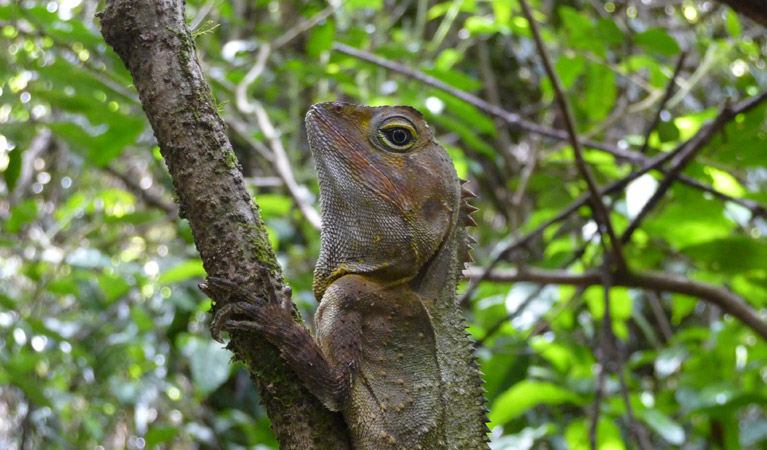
<point>716,295</point>
<point>518,123</point>
<point>686,154</point>
<point>601,214</point>
<point>152,39</point>
<point>700,139</point>
<point>666,96</point>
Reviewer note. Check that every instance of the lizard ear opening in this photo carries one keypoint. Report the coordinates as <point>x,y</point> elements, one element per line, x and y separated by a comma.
<point>397,134</point>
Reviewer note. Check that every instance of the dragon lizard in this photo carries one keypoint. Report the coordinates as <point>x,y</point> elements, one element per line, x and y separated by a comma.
<point>391,350</point>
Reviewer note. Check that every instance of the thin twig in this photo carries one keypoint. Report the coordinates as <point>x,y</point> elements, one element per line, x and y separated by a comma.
<point>241,128</point>
<point>510,316</point>
<point>686,154</point>
<point>601,214</point>
<point>597,403</point>
<point>306,25</point>
<point>660,316</point>
<point>513,119</point>
<point>639,433</point>
<point>612,350</point>
<point>497,326</point>
<point>717,295</point>
<point>664,100</point>
<point>518,123</point>
<point>150,197</point>
<point>650,164</point>
<point>283,167</point>
<point>241,93</point>
<point>542,322</point>
<point>491,92</point>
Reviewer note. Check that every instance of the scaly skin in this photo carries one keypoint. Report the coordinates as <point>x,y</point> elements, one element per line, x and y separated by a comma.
<point>391,351</point>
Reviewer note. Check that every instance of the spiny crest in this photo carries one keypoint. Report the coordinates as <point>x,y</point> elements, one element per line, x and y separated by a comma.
<point>466,220</point>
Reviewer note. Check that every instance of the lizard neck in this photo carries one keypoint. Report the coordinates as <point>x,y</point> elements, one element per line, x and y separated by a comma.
<point>438,279</point>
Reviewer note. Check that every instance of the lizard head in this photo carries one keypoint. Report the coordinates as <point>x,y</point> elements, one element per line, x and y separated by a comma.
<point>389,193</point>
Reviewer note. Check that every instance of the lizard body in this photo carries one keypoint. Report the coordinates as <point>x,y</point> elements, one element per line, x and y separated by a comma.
<point>391,350</point>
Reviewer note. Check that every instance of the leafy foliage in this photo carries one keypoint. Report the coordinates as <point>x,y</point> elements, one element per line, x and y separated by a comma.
<point>103,333</point>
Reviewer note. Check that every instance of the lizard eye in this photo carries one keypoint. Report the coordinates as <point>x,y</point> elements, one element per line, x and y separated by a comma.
<point>397,135</point>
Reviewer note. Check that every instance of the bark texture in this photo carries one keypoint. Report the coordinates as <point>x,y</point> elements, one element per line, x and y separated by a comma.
<point>152,39</point>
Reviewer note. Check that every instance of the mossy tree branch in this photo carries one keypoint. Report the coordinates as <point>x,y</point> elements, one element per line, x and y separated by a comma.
<point>152,39</point>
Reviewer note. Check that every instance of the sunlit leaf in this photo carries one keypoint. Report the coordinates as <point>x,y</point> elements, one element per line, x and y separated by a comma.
<point>657,41</point>
<point>527,394</point>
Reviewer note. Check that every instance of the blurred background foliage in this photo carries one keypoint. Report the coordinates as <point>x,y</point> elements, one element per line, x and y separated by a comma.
<point>103,332</point>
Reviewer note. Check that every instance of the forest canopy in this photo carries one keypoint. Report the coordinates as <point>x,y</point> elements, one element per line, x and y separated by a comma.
<point>618,293</point>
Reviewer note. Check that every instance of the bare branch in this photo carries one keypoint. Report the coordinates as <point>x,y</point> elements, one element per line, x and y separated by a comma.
<point>716,295</point>
<point>660,316</point>
<point>664,100</point>
<point>151,198</point>
<point>307,24</point>
<point>517,122</point>
<point>611,350</point>
<point>282,164</point>
<point>600,383</point>
<point>601,214</point>
<point>280,161</point>
<point>686,154</point>
<point>513,119</point>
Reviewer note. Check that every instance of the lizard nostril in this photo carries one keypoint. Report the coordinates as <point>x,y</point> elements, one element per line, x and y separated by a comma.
<point>338,107</point>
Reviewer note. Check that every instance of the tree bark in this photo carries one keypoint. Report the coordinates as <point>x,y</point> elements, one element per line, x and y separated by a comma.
<point>152,39</point>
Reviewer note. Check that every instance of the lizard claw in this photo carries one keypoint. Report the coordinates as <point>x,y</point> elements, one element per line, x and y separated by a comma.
<point>232,300</point>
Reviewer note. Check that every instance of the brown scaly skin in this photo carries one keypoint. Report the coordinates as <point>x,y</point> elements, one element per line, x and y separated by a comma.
<point>391,351</point>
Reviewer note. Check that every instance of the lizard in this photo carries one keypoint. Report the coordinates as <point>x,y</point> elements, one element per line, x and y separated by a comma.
<point>391,351</point>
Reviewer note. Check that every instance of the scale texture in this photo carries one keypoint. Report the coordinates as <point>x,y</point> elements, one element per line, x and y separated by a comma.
<point>393,245</point>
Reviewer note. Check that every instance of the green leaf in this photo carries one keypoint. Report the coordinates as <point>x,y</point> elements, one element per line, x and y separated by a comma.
<point>667,132</point>
<point>608,32</point>
<point>691,219</point>
<point>600,92</point>
<point>13,170</point>
<point>732,24</point>
<point>526,395</point>
<point>321,39</point>
<point>21,214</point>
<point>690,124</point>
<point>274,205</point>
<point>364,4</point>
<point>113,286</point>
<point>160,435</point>
<point>141,318</point>
<point>63,286</point>
<point>568,68</point>
<point>447,59</point>
<point>681,307</point>
<point>724,182</point>
<point>621,304</point>
<point>731,255</point>
<point>608,435</point>
<point>657,41</point>
<point>209,362</point>
<point>184,271</point>
<point>662,424</point>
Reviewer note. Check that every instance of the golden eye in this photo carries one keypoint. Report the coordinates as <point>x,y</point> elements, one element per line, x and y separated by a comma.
<point>397,134</point>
